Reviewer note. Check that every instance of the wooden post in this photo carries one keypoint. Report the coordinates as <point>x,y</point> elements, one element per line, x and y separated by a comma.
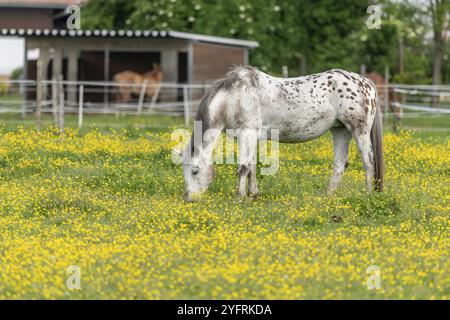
<point>285,72</point>
<point>386,94</point>
<point>398,111</point>
<point>72,76</point>
<point>186,106</point>
<point>38,94</point>
<point>55,100</point>
<point>61,103</point>
<point>169,67</point>
<point>80,106</point>
<point>142,97</point>
<point>106,70</point>
<point>23,85</point>
<point>303,66</point>
<point>44,56</point>
<point>362,69</point>
<point>58,55</point>
<point>395,118</point>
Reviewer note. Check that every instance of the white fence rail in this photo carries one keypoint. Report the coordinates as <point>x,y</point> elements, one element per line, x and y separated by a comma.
<point>60,97</point>
<point>416,101</point>
<point>87,97</point>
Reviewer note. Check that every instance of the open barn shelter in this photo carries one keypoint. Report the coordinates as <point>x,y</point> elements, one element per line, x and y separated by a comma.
<point>97,55</point>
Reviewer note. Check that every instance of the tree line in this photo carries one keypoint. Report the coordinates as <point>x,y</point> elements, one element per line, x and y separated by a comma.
<point>306,35</point>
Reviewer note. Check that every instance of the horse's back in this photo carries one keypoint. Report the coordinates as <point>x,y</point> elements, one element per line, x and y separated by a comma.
<point>301,109</point>
<point>305,108</point>
<point>127,76</point>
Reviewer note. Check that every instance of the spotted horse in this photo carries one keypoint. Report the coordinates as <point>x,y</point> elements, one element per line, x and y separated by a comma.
<point>300,109</point>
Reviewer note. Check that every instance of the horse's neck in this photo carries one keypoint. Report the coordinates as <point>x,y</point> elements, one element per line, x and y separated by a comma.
<point>152,76</point>
<point>208,142</point>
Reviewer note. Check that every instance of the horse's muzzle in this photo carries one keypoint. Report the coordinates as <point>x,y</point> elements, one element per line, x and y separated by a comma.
<point>190,197</point>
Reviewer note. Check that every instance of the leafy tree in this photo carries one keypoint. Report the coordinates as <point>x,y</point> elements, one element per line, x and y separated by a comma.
<point>440,15</point>
<point>307,36</point>
<point>16,74</point>
<point>106,14</point>
<point>400,44</point>
<point>287,30</point>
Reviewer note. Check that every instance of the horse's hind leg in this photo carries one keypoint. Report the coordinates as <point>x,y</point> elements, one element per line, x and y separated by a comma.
<point>365,147</point>
<point>362,138</point>
<point>341,141</point>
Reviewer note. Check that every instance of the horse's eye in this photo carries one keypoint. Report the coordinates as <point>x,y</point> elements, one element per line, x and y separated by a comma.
<point>195,170</point>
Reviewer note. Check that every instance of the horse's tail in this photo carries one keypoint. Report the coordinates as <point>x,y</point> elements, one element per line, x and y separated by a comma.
<point>376,138</point>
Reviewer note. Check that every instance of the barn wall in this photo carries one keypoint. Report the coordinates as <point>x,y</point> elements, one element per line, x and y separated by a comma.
<point>213,61</point>
<point>26,18</point>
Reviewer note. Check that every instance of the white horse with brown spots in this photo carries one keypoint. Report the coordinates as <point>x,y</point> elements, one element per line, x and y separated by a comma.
<point>301,109</point>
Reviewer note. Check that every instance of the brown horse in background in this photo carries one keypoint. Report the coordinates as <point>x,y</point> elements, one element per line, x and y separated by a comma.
<point>125,78</point>
<point>379,81</point>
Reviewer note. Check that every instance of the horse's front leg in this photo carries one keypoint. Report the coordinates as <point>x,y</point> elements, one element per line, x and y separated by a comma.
<point>243,172</point>
<point>252,184</point>
<point>247,142</point>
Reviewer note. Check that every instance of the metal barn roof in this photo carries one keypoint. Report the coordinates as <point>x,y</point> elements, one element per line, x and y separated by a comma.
<point>56,4</point>
<point>127,34</point>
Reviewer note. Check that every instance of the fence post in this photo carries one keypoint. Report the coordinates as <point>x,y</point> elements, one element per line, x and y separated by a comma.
<point>80,106</point>
<point>395,118</point>
<point>23,84</point>
<point>38,94</point>
<point>142,97</point>
<point>285,72</point>
<point>386,93</point>
<point>55,101</point>
<point>362,69</point>
<point>61,103</point>
<point>186,105</point>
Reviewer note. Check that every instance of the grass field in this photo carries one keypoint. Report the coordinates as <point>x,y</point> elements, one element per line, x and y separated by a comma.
<point>111,203</point>
<point>104,123</point>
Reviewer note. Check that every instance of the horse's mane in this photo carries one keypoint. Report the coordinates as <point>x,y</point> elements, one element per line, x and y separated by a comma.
<point>233,78</point>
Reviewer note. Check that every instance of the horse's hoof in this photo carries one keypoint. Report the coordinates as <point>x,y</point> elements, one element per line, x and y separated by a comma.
<point>241,197</point>
<point>254,195</point>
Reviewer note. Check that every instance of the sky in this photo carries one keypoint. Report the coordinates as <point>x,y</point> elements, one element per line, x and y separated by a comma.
<point>11,54</point>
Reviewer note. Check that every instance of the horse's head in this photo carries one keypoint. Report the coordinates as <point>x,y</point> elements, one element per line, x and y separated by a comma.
<point>198,172</point>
